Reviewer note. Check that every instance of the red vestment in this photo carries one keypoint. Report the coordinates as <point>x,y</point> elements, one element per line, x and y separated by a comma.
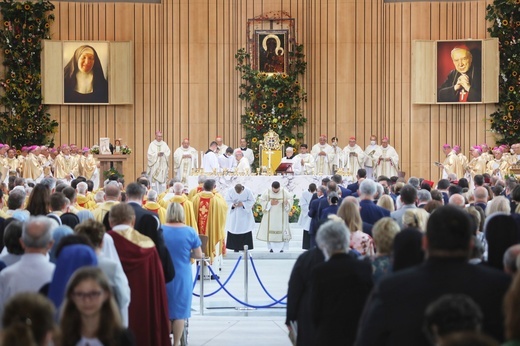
<point>148,310</point>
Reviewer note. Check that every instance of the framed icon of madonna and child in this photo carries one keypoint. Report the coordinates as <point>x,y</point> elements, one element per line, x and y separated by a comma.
<point>271,50</point>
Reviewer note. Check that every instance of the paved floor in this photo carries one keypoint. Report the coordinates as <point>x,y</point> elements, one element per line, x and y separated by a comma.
<point>224,321</point>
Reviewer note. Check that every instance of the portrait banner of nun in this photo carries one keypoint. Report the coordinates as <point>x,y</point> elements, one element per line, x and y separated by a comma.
<point>85,78</point>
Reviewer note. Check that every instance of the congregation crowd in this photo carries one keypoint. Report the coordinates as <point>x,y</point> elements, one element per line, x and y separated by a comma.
<point>388,259</point>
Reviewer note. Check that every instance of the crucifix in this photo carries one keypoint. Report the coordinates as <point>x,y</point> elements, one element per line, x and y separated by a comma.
<point>269,153</point>
<point>462,96</point>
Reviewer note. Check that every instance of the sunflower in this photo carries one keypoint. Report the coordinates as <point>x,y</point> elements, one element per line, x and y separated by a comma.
<point>251,92</point>
<point>254,139</point>
<point>514,73</point>
<point>27,7</point>
<point>511,88</point>
<point>7,51</point>
<point>7,81</point>
<point>27,81</point>
<point>6,23</point>
<point>511,107</point>
<point>280,105</point>
<point>516,127</point>
<point>260,122</point>
<point>47,25</point>
<point>17,20</point>
<point>504,117</point>
<point>491,121</point>
<point>31,27</point>
<point>284,75</point>
<point>284,122</point>
<point>17,36</point>
<point>506,43</point>
<point>297,83</point>
<point>251,113</point>
<point>505,22</point>
<point>264,74</point>
<point>264,106</point>
<point>258,86</point>
<point>13,74</point>
<point>29,40</point>
<point>517,23</point>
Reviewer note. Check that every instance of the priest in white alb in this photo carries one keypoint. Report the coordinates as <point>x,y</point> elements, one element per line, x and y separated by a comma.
<point>274,229</point>
<point>354,157</point>
<point>303,162</point>
<point>242,167</point>
<point>322,153</point>
<point>388,161</point>
<point>240,221</point>
<point>158,156</point>
<point>185,158</point>
<point>372,151</point>
<point>210,160</point>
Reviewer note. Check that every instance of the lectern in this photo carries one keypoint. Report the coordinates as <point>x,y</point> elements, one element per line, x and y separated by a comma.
<point>108,161</point>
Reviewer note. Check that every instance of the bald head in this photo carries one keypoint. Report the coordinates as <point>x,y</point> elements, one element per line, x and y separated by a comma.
<point>457,200</point>
<point>112,192</point>
<point>481,194</point>
<point>511,257</point>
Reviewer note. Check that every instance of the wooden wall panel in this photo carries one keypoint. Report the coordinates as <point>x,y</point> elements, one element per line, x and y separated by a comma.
<point>358,79</point>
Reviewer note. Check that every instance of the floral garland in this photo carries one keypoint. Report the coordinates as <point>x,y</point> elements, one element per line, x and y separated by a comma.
<point>294,213</point>
<point>505,18</point>
<point>25,119</point>
<point>273,101</point>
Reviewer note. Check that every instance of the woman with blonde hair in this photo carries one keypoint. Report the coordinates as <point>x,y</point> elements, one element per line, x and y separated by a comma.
<point>384,232</point>
<point>359,241</point>
<point>415,218</point>
<point>183,243</point>
<point>386,202</point>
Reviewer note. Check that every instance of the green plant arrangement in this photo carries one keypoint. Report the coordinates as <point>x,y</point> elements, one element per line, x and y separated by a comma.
<point>294,213</point>
<point>112,174</point>
<point>273,100</point>
<point>504,16</point>
<point>25,119</point>
<point>126,150</point>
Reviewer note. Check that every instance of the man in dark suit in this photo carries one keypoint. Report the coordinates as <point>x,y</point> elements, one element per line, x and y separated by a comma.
<point>340,287</point>
<point>443,186</point>
<point>394,313</point>
<point>338,179</point>
<point>361,175</point>
<point>370,212</point>
<point>314,213</point>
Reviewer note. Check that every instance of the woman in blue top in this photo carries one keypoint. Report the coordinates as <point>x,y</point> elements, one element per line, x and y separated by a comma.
<point>183,243</point>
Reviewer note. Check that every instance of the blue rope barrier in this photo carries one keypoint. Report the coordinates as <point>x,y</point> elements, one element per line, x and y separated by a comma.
<point>260,281</point>
<point>214,275</point>
<point>244,303</point>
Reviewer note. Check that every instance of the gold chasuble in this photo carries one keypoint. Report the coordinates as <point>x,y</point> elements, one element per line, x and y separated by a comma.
<point>32,169</point>
<point>135,237</point>
<point>211,219</point>
<point>154,207</point>
<point>189,214</point>
<point>85,202</point>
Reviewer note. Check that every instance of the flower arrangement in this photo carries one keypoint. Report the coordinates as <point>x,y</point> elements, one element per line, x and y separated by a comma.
<point>126,150</point>
<point>273,100</point>
<point>25,119</point>
<point>294,213</point>
<point>112,174</point>
<point>505,19</point>
<point>95,149</point>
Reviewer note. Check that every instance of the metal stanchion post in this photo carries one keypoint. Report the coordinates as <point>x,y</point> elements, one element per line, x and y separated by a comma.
<point>246,280</point>
<point>202,265</point>
<point>246,274</point>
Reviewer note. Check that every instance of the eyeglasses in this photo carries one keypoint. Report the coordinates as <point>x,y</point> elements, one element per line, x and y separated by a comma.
<point>87,295</point>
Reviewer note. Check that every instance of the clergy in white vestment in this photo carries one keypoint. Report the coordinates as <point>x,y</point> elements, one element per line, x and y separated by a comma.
<point>449,165</point>
<point>303,162</point>
<point>248,152</point>
<point>354,156</point>
<point>388,161</point>
<point>158,156</point>
<point>289,158</point>
<point>322,153</point>
<point>210,160</point>
<point>372,151</point>
<point>221,147</point>
<point>337,158</point>
<point>304,221</point>
<point>240,221</point>
<point>498,166</point>
<point>274,229</point>
<point>242,162</point>
<point>185,158</point>
<point>227,161</point>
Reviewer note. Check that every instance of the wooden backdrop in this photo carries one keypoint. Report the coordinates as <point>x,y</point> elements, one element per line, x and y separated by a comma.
<point>358,79</point>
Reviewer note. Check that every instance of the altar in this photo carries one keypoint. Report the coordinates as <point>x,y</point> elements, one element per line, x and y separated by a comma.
<point>296,184</point>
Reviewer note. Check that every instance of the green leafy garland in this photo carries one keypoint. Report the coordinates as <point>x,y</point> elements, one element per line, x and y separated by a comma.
<point>25,119</point>
<point>273,100</point>
<point>505,18</point>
